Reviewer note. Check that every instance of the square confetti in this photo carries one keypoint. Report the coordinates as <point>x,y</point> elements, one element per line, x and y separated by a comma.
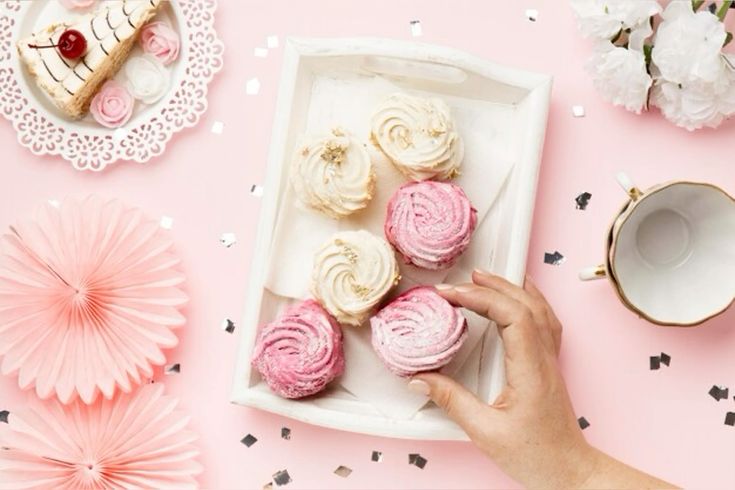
<point>218,127</point>
<point>272,41</point>
<point>578,110</point>
<point>172,368</point>
<point>252,86</point>
<point>268,486</point>
<point>554,258</point>
<point>260,52</point>
<point>583,423</point>
<point>256,190</point>
<point>416,30</point>
<point>582,200</point>
<point>532,14</point>
<point>376,457</point>
<point>228,239</point>
<point>654,363</point>
<point>730,419</point>
<point>343,471</point>
<point>228,325</point>
<point>4,416</point>
<point>249,440</point>
<point>282,478</point>
<point>286,433</point>
<point>719,392</point>
<point>417,460</point>
<point>665,358</point>
<point>167,222</point>
<point>54,203</point>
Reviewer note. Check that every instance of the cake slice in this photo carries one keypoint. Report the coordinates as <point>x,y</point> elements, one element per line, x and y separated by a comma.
<point>110,32</point>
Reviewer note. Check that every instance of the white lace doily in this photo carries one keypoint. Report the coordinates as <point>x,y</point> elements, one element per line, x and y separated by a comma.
<point>93,148</point>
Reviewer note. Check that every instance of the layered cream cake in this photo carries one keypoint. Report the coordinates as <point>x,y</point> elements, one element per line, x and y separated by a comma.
<point>110,33</point>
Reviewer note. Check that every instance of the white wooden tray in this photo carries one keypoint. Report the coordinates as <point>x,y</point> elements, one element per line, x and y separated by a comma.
<point>514,105</point>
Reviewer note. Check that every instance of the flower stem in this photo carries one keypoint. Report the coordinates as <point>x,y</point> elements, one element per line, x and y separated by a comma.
<point>724,9</point>
<point>696,4</point>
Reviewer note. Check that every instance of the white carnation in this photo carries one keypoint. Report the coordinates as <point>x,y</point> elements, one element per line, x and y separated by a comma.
<point>603,19</point>
<point>148,79</point>
<point>620,74</point>
<point>688,45</point>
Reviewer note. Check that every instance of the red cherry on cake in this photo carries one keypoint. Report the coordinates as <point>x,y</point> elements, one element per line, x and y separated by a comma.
<point>71,45</point>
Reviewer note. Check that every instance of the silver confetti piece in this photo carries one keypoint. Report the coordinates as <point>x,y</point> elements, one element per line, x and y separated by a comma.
<point>665,358</point>
<point>654,363</point>
<point>578,110</point>
<point>252,86</point>
<point>218,127</point>
<point>167,222</point>
<point>417,460</point>
<point>4,416</point>
<point>228,239</point>
<point>228,325</point>
<point>343,471</point>
<point>54,203</point>
<point>260,52</point>
<point>582,200</point>
<point>730,419</point>
<point>554,258</point>
<point>272,41</point>
<point>416,30</point>
<point>282,478</point>
<point>286,433</point>
<point>719,392</point>
<point>377,456</point>
<point>249,440</point>
<point>532,14</point>
<point>256,190</point>
<point>172,368</point>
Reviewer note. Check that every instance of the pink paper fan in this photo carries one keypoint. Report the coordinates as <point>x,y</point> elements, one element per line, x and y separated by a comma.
<point>88,298</point>
<point>132,441</point>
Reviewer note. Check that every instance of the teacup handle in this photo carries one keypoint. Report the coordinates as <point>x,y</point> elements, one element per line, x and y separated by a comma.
<point>592,273</point>
<point>628,186</point>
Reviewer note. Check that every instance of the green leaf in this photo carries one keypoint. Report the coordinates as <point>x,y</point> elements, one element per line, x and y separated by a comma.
<point>728,38</point>
<point>647,50</point>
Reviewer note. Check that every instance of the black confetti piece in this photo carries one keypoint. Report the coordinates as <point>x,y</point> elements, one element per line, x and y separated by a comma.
<point>377,456</point>
<point>249,440</point>
<point>282,478</point>
<point>730,419</point>
<point>342,471</point>
<point>665,358</point>
<point>719,392</point>
<point>583,424</point>
<point>655,362</point>
<point>417,460</point>
<point>4,416</point>
<point>172,368</point>
<point>554,258</point>
<point>286,433</point>
<point>228,325</point>
<point>583,200</point>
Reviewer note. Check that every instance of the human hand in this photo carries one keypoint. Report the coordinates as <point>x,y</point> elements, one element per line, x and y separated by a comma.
<point>530,431</point>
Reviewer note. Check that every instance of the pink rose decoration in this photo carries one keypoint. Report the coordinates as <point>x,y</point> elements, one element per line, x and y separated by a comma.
<point>161,41</point>
<point>77,4</point>
<point>113,105</point>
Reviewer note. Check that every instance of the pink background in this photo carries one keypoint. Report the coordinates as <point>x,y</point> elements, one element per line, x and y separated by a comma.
<point>662,421</point>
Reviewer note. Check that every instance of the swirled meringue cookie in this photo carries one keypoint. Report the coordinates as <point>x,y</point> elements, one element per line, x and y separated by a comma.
<point>418,331</point>
<point>352,272</point>
<point>333,174</point>
<point>418,135</point>
<point>300,352</point>
<point>430,223</point>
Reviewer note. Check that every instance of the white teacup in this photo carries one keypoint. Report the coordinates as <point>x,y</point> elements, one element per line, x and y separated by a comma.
<point>671,252</point>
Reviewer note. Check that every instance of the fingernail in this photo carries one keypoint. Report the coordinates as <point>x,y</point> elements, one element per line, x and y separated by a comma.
<point>464,289</point>
<point>443,287</point>
<point>419,386</point>
<point>483,272</point>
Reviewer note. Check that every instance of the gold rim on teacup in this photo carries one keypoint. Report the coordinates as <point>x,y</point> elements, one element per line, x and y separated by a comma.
<point>618,225</point>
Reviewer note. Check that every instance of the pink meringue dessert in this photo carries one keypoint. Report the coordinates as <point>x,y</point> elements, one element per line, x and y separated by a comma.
<point>418,331</point>
<point>300,352</point>
<point>430,223</point>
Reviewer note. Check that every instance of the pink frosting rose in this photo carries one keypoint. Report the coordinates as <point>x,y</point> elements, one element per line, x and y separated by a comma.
<point>77,4</point>
<point>161,41</point>
<point>113,105</point>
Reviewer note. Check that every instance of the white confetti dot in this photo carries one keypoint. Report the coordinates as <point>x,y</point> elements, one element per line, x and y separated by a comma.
<point>167,222</point>
<point>416,30</point>
<point>228,239</point>
<point>532,14</point>
<point>272,41</point>
<point>260,52</point>
<point>54,203</point>
<point>218,127</point>
<point>578,110</point>
<point>252,87</point>
<point>256,190</point>
<point>120,134</point>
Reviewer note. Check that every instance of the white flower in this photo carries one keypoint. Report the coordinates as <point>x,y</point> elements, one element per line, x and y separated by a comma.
<point>688,45</point>
<point>696,104</point>
<point>148,79</point>
<point>603,19</point>
<point>620,74</point>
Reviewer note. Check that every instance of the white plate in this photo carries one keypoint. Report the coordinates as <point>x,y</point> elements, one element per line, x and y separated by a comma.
<point>88,146</point>
<point>517,105</point>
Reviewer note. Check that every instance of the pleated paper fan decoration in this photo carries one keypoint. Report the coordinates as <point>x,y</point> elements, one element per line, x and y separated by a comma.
<point>131,441</point>
<point>89,295</point>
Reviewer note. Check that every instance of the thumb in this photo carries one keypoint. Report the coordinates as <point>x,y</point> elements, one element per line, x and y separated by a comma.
<point>460,404</point>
